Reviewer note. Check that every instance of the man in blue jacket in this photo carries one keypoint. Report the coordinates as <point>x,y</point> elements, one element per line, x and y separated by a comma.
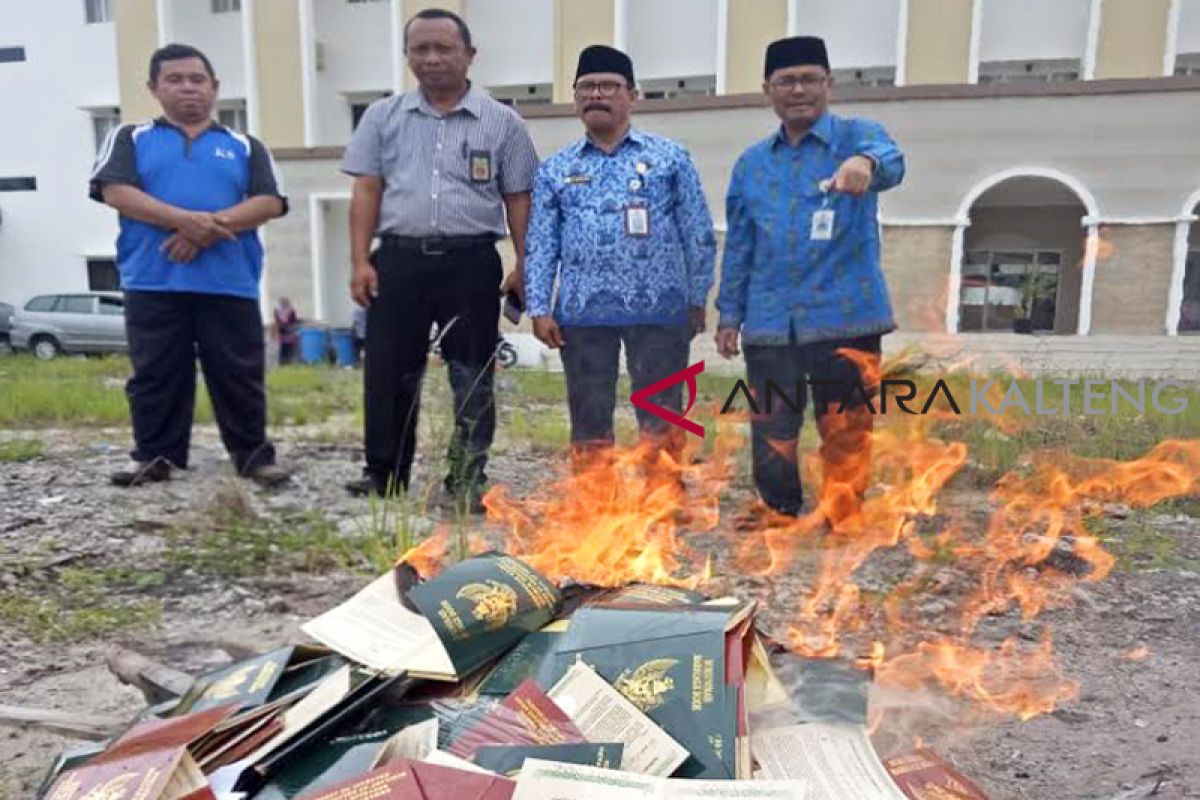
<point>191,194</point>
<point>801,285</point>
<point>621,226</point>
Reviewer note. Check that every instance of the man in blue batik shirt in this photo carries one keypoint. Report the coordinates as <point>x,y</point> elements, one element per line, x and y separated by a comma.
<point>801,285</point>
<point>620,220</point>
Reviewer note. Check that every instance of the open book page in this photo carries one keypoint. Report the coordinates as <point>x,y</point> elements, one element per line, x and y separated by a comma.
<point>415,742</point>
<point>444,759</point>
<point>327,694</point>
<point>186,778</point>
<point>542,780</point>
<point>375,629</point>
<point>838,760</point>
<point>604,715</point>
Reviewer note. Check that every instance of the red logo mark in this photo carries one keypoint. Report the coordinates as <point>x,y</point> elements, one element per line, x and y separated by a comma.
<point>639,400</point>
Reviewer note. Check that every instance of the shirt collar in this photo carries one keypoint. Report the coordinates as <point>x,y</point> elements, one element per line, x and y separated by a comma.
<point>822,129</point>
<point>632,136</point>
<point>471,102</point>
<point>212,124</point>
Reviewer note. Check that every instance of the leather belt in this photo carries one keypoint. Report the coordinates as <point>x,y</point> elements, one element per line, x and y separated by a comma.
<point>436,245</point>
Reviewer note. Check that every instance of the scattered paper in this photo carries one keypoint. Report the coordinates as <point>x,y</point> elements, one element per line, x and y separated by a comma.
<point>838,760</point>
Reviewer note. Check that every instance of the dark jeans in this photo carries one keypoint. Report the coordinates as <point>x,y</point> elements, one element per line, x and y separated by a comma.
<point>845,432</point>
<point>166,332</point>
<point>591,362</point>
<point>460,291</point>
<point>287,353</point>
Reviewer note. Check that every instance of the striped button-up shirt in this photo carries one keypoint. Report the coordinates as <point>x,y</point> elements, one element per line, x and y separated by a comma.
<point>425,159</point>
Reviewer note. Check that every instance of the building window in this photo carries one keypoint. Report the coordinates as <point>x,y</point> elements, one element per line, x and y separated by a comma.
<point>1000,289</point>
<point>359,103</point>
<point>233,117</point>
<point>12,54</point>
<point>865,77</point>
<point>524,94</point>
<point>669,88</point>
<point>226,6</point>
<point>102,275</point>
<point>97,11</point>
<point>104,122</point>
<point>1049,71</point>
<point>1187,64</point>
<point>18,184</point>
<point>1189,309</point>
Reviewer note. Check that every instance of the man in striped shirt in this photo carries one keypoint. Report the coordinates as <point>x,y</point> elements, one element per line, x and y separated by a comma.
<point>191,195</point>
<point>436,172</point>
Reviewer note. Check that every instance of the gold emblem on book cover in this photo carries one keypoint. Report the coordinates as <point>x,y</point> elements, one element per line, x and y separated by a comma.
<point>647,686</point>
<point>495,602</point>
<point>230,685</point>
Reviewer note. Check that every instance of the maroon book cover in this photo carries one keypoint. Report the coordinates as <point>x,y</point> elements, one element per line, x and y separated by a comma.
<point>527,716</point>
<point>921,775</point>
<point>402,779</point>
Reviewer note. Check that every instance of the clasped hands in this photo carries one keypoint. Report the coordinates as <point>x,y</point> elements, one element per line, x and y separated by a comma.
<point>194,231</point>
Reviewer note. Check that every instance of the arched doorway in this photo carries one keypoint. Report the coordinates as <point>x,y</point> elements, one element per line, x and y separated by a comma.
<point>1183,304</point>
<point>1020,260</point>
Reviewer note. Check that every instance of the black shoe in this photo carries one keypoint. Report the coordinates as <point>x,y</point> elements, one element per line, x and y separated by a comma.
<point>268,476</point>
<point>371,484</point>
<point>139,472</point>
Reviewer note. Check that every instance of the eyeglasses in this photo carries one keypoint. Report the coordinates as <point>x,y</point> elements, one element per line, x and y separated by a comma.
<point>603,88</point>
<point>789,82</point>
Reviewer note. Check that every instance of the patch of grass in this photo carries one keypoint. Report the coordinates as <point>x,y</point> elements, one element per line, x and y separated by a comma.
<point>550,431</point>
<point>21,450</point>
<point>83,603</point>
<point>232,543</point>
<point>301,395</point>
<point>536,386</point>
<point>1140,546</point>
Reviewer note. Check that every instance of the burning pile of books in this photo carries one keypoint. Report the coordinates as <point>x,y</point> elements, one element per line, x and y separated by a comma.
<point>490,682</point>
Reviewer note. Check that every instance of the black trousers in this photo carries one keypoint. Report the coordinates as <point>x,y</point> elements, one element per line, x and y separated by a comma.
<point>167,331</point>
<point>845,432</point>
<point>591,361</point>
<point>460,291</point>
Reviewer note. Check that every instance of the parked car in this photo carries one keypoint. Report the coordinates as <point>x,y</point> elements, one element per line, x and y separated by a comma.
<point>81,322</point>
<point>6,314</point>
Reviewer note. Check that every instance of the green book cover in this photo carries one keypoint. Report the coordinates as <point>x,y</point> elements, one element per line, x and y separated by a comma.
<point>670,663</point>
<point>507,760</point>
<point>337,760</point>
<point>532,658</point>
<point>248,683</point>
<point>482,606</point>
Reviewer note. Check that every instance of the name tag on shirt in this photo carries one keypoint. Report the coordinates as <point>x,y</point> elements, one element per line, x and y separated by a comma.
<point>822,225</point>
<point>481,166</point>
<point>637,220</point>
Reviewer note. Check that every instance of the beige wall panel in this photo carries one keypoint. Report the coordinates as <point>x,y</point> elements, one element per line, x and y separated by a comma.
<point>753,24</point>
<point>938,49</point>
<point>280,82</point>
<point>577,24</point>
<point>137,39</point>
<point>916,264</point>
<point>1133,35</point>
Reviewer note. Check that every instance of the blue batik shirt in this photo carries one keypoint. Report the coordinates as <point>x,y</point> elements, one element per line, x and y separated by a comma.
<point>778,283</point>
<point>577,235</point>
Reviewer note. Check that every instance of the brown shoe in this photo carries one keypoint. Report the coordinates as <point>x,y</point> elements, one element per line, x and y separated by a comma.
<point>140,472</point>
<point>269,476</point>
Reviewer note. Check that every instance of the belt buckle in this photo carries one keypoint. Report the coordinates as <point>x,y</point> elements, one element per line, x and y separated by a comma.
<point>427,250</point>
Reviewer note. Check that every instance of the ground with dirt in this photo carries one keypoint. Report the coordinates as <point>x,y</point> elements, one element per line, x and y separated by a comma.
<point>198,570</point>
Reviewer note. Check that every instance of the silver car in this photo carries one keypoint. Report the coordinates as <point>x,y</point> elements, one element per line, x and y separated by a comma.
<point>79,322</point>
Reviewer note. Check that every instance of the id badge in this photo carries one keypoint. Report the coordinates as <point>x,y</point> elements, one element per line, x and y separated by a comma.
<point>637,220</point>
<point>822,225</point>
<point>481,166</point>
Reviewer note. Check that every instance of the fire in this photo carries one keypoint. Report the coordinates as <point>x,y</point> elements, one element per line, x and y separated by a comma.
<point>883,496</point>
<point>617,519</point>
